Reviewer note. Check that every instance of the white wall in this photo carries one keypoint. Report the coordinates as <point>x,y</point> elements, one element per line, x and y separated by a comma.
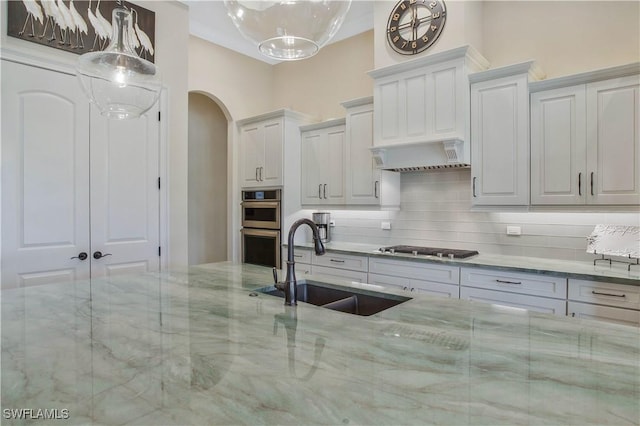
<point>436,211</point>
<point>172,28</point>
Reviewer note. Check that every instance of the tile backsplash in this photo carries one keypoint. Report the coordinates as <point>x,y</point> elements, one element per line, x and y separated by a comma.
<point>436,211</point>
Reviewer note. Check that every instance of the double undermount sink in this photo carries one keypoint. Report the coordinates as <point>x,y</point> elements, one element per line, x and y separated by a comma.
<point>343,299</point>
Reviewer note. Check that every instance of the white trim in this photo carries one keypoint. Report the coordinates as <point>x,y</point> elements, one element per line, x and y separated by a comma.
<point>281,113</point>
<point>528,67</point>
<point>163,171</point>
<point>324,124</point>
<point>586,77</point>
<point>357,102</point>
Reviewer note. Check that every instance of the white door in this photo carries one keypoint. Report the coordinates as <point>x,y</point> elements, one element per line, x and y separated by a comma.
<point>125,201</point>
<point>73,183</point>
<point>252,145</point>
<point>334,191</point>
<point>312,148</point>
<point>45,177</point>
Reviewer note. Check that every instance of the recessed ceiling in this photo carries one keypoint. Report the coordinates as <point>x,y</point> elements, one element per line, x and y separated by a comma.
<point>208,20</point>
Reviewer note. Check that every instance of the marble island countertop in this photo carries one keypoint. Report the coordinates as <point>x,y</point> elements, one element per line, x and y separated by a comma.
<point>200,346</point>
<point>601,271</point>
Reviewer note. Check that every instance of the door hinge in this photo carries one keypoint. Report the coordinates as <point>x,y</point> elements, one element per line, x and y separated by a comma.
<point>158,183</point>
<point>159,251</point>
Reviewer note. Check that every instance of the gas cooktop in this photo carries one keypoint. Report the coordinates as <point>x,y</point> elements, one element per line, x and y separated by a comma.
<point>430,251</point>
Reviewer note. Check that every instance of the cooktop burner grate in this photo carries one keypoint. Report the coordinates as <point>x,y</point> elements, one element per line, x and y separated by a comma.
<point>430,251</point>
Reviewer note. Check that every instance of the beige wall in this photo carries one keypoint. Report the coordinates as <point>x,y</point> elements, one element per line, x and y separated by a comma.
<point>316,86</point>
<point>564,37</point>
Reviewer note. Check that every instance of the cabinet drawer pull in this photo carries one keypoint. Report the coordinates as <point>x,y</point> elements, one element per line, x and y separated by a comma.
<point>580,184</point>
<point>297,255</point>
<point>607,294</point>
<point>508,282</point>
<point>336,260</point>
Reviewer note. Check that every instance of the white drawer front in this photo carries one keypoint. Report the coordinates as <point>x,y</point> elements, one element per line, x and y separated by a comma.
<point>343,261</point>
<point>413,285</point>
<point>418,270</point>
<point>302,269</point>
<point>344,274</point>
<point>603,293</point>
<point>521,301</point>
<point>603,313</point>
<point>524,283</point>
<point>302,256</point>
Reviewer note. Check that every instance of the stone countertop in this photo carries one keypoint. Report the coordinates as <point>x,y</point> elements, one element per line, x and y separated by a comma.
<point>200,347</point>
<point>602,271</point>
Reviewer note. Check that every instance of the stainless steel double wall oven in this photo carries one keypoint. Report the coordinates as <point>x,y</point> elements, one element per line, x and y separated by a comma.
<point>261,219</point>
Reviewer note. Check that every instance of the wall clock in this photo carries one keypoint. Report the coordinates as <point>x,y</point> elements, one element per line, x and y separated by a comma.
<point>414,25</point>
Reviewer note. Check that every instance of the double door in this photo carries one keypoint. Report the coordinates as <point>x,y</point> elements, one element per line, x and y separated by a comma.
<point>80,193</point>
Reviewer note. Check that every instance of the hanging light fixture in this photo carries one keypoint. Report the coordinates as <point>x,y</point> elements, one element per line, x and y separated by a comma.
<point>288,30</point>
<point>119,82</point>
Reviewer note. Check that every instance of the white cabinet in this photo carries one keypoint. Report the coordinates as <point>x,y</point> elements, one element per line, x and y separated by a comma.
<point>585,140</point>
<point>438,280</point>
<point>365,183</point>
<point>344,266</point>
<point>425,99</point>
<point>500,135</point>
<point>263,143</point>
<point>323,167</point>
<point>604,301</point>
<point>537,292</point>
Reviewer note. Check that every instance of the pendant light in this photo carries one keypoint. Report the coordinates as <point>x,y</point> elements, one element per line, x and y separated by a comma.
<point>119,82</point>
<point>288,30</point>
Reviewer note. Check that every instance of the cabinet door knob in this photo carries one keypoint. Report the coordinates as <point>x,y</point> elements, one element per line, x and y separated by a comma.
<point>81,256</point>
<point>580,184</point>
<point>376,189</point>
<point>474,187</point>
<point>592,184</point>
<point>99,255</point>
<point>319,191</point>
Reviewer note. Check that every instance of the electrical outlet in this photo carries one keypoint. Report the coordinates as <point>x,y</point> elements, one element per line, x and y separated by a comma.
<point>514,230</point>
<point>385,225</point>
<point>332,223</point>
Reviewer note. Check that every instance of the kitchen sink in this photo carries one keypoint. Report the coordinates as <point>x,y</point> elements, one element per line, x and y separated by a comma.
<point>343,299</point>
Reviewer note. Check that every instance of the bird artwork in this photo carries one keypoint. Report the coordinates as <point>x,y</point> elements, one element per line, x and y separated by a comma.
<point>79,26</point>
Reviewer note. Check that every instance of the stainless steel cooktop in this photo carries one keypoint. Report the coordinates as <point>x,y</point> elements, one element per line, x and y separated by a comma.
<point>430,251</point>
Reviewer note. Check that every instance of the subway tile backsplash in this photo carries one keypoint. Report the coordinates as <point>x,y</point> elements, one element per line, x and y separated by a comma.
<point>436,211</point>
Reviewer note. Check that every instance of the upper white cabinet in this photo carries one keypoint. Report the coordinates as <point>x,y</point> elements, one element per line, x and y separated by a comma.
<point>323,167</point>
<point>365,183</point>
<point>262,145</point>
<point>426,99</point>
<point>500,135</point>
<point>585,143</point>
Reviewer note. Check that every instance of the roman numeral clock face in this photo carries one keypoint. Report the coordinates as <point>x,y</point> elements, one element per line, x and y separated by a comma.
<point>414,25</point>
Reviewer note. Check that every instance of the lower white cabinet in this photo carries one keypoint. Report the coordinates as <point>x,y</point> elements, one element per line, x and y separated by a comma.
<point>514,300</point>
<point>535,292</point>
<point>344,274</point>
<point>604,301</point>
<point>344,266</point>
<point>439,280</point>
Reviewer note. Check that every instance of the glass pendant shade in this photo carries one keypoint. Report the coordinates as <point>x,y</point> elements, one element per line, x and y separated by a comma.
<point>288,30</point>
<point>119,82</point>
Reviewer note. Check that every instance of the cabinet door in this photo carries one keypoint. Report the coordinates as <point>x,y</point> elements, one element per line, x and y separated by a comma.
<point>363,178</point>
<point>252,146</point>
<point>333,167</point>
<point>312,152</point>
<point>45,177</point>
<point>412,285</point>
<point>613,141</point>
<point>558,146</point>
<point>603,313</point>
<point>271,172</point>
<point>500,141</point>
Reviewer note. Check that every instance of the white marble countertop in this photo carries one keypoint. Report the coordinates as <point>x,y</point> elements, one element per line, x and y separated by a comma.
<point>602,271</point>
<point>201,347</point>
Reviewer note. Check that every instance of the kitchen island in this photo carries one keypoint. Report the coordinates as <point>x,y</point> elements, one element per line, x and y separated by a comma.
<point>201,346</point>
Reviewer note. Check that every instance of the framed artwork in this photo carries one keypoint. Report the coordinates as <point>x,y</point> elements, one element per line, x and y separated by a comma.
<point>79,26</point>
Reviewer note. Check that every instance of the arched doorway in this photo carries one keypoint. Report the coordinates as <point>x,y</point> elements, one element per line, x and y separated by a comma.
<point>207,180</point>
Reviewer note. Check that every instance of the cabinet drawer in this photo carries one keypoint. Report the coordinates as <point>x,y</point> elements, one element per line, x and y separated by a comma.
<point>344,274</point>
<point>413,285</point>
<point>603,293</point>
<point>302,256</point>
<point>343,261</point>
<point>418,270</point>
<point>531,284</point>
<point>521,301</point>
<point>603,313</point>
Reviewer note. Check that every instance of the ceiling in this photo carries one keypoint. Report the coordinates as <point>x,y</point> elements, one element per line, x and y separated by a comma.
<point>208,20</point>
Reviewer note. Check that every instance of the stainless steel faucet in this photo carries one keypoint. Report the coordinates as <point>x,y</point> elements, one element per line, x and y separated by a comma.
<point>290,284</point>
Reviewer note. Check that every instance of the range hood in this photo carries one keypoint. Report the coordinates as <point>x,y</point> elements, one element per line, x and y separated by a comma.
<point>429,155</point>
